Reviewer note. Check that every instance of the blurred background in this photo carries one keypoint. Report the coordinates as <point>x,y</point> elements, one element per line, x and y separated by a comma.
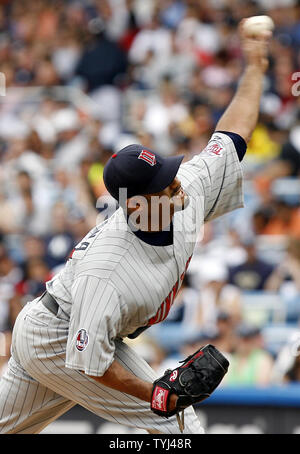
<point>85,78</point>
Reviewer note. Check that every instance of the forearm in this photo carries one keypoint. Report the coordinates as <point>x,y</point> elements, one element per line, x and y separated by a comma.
<point>120,379</point>
<point>242,114</point>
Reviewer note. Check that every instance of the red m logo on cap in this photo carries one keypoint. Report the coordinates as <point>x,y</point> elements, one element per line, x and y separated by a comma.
<point>148,157</point>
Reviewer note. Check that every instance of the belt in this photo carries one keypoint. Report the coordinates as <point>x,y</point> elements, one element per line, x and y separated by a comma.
<point>49,302</point>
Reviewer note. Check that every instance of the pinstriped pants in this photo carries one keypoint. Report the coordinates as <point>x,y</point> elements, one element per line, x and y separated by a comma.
<point>37,388</point>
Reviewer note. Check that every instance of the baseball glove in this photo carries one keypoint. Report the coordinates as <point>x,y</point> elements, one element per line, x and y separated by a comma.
<point>192,382</point>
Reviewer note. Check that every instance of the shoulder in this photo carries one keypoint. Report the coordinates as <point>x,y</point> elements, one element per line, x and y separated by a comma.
<point>102,250</point>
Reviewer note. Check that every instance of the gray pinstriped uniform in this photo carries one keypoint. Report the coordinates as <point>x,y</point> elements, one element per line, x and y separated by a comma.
<point>114,284</point>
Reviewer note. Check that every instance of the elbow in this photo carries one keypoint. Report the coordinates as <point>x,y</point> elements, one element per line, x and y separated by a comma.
<point>247,137</point>
<point>245,133</point>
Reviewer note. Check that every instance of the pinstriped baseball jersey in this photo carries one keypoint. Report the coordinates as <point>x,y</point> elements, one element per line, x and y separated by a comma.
<point>115,283</point>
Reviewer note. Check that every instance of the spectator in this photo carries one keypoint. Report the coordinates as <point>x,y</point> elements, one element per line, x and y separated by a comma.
<point>33,247</point>
<point>260,219</point>
<point>286,164</point>
<point>195,341</point>
<point>29,205</point>
<point>250,363</point>
<point>289,269</point>
<point>253,273</point>
<point>36,273</point>
<point>225,339</point>
<point>10,276</point>
<point>33,283</point>
<point>189,345</point>
<point>163,112</point>
<point>5,342</point>
<point>72,141</point>
<point>284,219</point>
<point>151,350</point>
<point>178,67</point>
<point>101,49</point>
<point>152,40</point>
<point>285,280</point>
<point>60,242</point>
<point>216,296</point>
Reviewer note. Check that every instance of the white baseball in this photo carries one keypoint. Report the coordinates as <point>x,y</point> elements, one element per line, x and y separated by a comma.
<point>256,25</point>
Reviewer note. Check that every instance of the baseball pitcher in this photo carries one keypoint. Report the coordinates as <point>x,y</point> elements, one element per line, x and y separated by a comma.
<point>68,345</point>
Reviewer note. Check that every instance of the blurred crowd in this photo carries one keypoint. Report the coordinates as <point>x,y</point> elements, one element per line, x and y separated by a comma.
<point>83,78</point>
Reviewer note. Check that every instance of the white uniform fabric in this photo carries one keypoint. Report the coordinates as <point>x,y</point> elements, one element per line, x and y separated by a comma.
<point>113,284</point>
<point>37,387</point>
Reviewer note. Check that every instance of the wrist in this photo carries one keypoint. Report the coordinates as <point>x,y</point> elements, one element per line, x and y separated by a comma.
<point>255,68</point>
<point>172,402</point>
<point>148,392</point>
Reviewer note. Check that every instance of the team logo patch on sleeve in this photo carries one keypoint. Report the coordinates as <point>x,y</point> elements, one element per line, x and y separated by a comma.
<point>214,149</point>
<point>82,340</point>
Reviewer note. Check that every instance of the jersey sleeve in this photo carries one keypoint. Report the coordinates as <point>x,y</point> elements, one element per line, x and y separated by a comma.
<point>239,143</point>
<point>96,319</point>
<point>214,177</point>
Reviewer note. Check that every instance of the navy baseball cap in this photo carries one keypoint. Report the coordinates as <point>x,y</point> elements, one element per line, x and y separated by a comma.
<point>140,170</point>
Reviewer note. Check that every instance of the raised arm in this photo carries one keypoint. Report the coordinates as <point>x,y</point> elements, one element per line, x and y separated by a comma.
<point>242,114</point>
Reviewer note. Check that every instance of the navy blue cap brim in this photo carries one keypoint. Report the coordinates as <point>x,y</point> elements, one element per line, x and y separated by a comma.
<point>164,176</point>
